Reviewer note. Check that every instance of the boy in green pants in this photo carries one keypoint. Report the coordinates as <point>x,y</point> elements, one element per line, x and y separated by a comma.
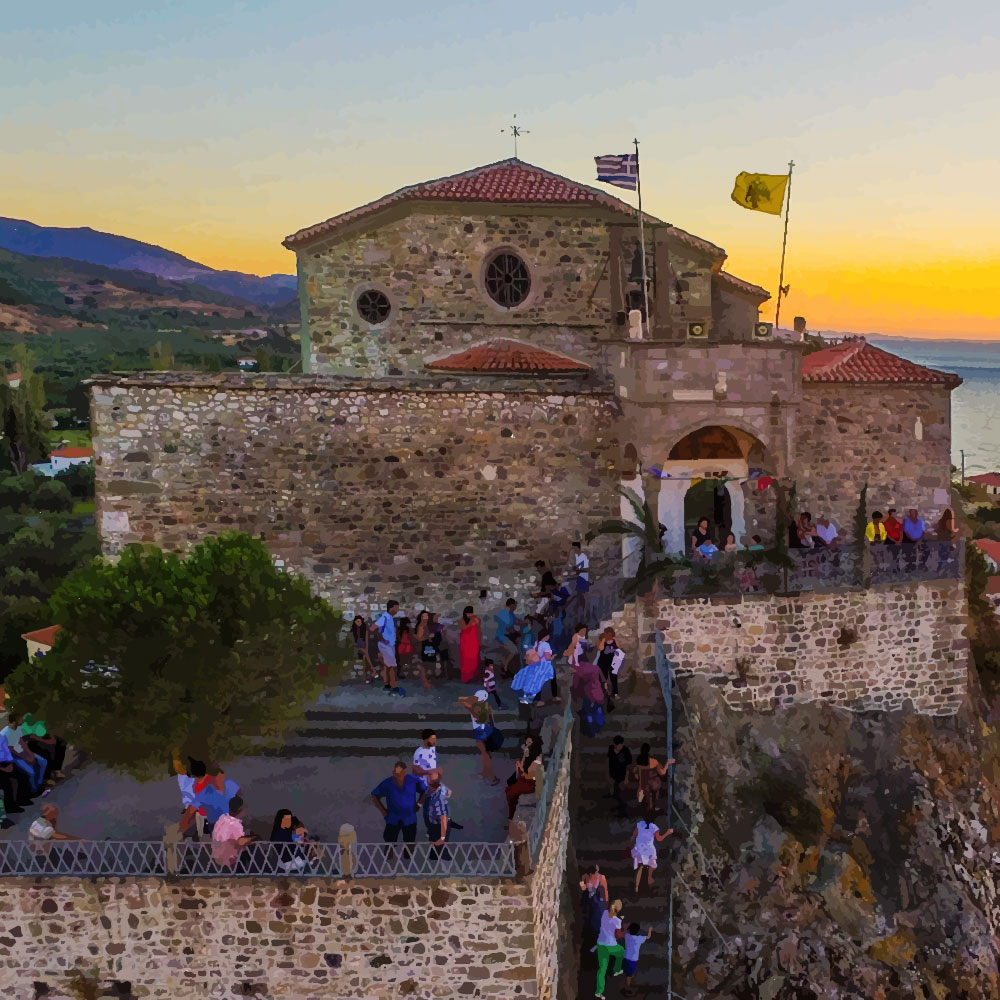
<point>608,945</point>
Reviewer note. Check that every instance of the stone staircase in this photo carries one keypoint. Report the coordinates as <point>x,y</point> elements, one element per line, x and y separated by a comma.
<point>601,837</point>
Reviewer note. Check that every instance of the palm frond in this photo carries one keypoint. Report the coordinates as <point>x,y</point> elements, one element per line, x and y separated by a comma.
<point>616,526</point>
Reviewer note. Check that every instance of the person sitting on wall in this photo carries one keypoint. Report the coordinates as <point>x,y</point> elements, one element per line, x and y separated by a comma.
<point>707,550</point>
<point>826,531</point>
<point>701,534</point>
<point>947,530</point>
<point>875,530</point>
<point>914,526</point>
<point>807,532</point>
<point>893,529</point>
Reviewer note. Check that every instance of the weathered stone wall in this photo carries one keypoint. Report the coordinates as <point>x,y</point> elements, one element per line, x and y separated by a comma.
<point>372,490</point>
<point>550,896</point>
<point>863,650</point>
<point>430,264</point>
<point>194,939</point>
<point>898,439</point>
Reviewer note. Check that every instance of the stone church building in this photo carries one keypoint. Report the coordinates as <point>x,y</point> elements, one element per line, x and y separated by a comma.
<point>474,390</point>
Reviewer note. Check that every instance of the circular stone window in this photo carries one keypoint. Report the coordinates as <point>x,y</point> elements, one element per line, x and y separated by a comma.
<point>374,306</point>
<point>507,280</point>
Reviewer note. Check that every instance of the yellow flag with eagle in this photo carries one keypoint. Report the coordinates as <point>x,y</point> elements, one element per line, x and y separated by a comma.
<point>760,192</point>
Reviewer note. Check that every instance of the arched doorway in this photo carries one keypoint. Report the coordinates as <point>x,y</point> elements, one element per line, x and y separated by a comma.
<point>710,499</point>
<point>703,477</point>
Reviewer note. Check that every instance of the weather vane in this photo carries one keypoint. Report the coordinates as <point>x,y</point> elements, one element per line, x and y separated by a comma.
<point>515,130</point>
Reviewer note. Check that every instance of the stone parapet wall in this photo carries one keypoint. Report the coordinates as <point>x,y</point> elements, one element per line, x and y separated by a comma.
<point>190,939</point>
<point>432,497</point>
<point>863,650</point>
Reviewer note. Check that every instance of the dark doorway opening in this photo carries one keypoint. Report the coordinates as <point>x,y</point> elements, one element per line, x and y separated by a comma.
<point>710,499</point>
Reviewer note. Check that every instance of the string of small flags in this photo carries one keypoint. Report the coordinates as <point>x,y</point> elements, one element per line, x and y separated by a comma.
<point>754,475</point>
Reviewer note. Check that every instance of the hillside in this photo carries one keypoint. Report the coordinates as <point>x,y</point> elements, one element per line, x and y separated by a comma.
<point>125,254</point>
<point>47,295</point>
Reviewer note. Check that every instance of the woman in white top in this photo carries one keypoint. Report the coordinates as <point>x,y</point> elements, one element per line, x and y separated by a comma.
<point>576,644</point>
<point>644,839</point>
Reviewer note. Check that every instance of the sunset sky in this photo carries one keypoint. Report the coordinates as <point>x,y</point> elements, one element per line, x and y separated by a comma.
<point>217,128</point>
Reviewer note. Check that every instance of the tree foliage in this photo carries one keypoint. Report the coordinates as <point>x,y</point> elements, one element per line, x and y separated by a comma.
<point>23,421</point>
<point>208,654</point>
<point>654,563</point>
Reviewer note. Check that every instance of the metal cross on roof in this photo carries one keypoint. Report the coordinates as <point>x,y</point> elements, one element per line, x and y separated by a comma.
<point>514,130</point>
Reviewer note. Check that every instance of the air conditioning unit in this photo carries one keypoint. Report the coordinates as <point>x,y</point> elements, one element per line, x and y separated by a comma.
<point>763,331</point>
<point>697,331</point>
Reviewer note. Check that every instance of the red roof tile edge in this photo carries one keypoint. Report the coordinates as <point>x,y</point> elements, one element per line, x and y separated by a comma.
<point>424,191</point>
<point>491,355</point>
<point>739,285</point>
<point>834,364</point>
<point>45,636</point>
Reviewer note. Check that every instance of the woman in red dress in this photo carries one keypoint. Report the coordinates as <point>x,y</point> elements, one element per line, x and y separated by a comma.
<point>470,641</point>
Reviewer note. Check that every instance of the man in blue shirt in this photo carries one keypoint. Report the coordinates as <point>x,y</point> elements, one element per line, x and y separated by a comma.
<point>403,794</point>
<point>508,636</point>
<point>914,526</point>
<point>214,798</point>
<point>386,625</point>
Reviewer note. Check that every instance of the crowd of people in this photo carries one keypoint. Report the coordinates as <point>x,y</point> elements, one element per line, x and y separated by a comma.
<point>31,762</point>
<point>707,541</point>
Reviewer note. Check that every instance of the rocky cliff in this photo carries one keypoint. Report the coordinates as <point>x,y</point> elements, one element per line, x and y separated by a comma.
<point>835,855</point>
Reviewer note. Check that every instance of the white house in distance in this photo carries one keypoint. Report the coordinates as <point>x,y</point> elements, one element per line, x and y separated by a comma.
<point>14,380</point>
<point>990,481</point>
<point>40,641</point>
<point>64,458</point>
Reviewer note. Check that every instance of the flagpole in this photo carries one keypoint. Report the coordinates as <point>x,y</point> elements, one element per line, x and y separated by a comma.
<point>784,241</point>
<point>642,238</point>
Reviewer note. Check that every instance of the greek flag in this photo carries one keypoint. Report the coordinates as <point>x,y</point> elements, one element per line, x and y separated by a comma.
<point>622,171</point>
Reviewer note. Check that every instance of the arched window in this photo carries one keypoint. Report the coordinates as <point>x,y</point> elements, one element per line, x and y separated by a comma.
<point>507,279</point>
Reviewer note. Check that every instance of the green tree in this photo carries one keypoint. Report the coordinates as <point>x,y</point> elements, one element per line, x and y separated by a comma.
<point>211,655</point>
<point>859,527</point>
<point>23,421</point>
<point>53,496</point>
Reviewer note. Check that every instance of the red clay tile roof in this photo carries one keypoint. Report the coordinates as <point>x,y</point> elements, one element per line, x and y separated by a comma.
<point>739,285</point>
<point>72,453</point>
<point>986,479</point>
<point>510,357</point>
<point>993,585</point>
<point>989,548</point>
<point>856,360</point>
<point>507,182</point>
<point>46,636</point>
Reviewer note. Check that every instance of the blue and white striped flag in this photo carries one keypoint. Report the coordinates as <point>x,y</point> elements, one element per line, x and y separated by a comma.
<point>622,171</point>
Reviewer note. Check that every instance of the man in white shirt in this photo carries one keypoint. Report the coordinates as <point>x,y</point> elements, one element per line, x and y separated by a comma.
<point>826,530</point>
<point>581,564</point>
<point>425,757</point>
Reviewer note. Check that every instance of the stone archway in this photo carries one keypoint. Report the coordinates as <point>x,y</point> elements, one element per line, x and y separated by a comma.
<point>710,452</point>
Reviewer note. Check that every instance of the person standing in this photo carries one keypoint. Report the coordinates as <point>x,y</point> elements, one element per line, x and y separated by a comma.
<point>634,940</point>
<point>403,794</point>
<point>483,730</point>
<point>643,847</point>
<point>359,635</point>
<point>581,565</point>
<point>187,779</point>
<point>508,637</point>
<point>490,682</point>
<point>609,946</point>
<point>593,902</point>
<point>525,777</point>
<point>650,776</point>
<point>577,642</point>
<point>386,625</point>
<point>607,646</point>
<point>427,648</point>
<point>425,757</point>
<point>619,758</point>
<point>470,643</point>
<point>436,816</point>
<point>405,651</point>
<point>13,784</point>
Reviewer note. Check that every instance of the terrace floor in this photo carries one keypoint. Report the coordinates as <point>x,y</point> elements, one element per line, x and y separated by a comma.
<point>325,776</point>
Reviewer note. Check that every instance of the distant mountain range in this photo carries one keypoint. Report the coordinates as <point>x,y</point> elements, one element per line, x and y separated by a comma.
<point>124,254</point>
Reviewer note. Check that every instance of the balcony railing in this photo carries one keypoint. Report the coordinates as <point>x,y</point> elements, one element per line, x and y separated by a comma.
<point>263,860</point>
<point>846,566</point>
<point>560,749</point>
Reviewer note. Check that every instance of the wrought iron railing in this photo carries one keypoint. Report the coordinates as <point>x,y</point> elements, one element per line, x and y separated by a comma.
<point>840,567</point>
<point>261,859</point>
<point>560,749</point>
